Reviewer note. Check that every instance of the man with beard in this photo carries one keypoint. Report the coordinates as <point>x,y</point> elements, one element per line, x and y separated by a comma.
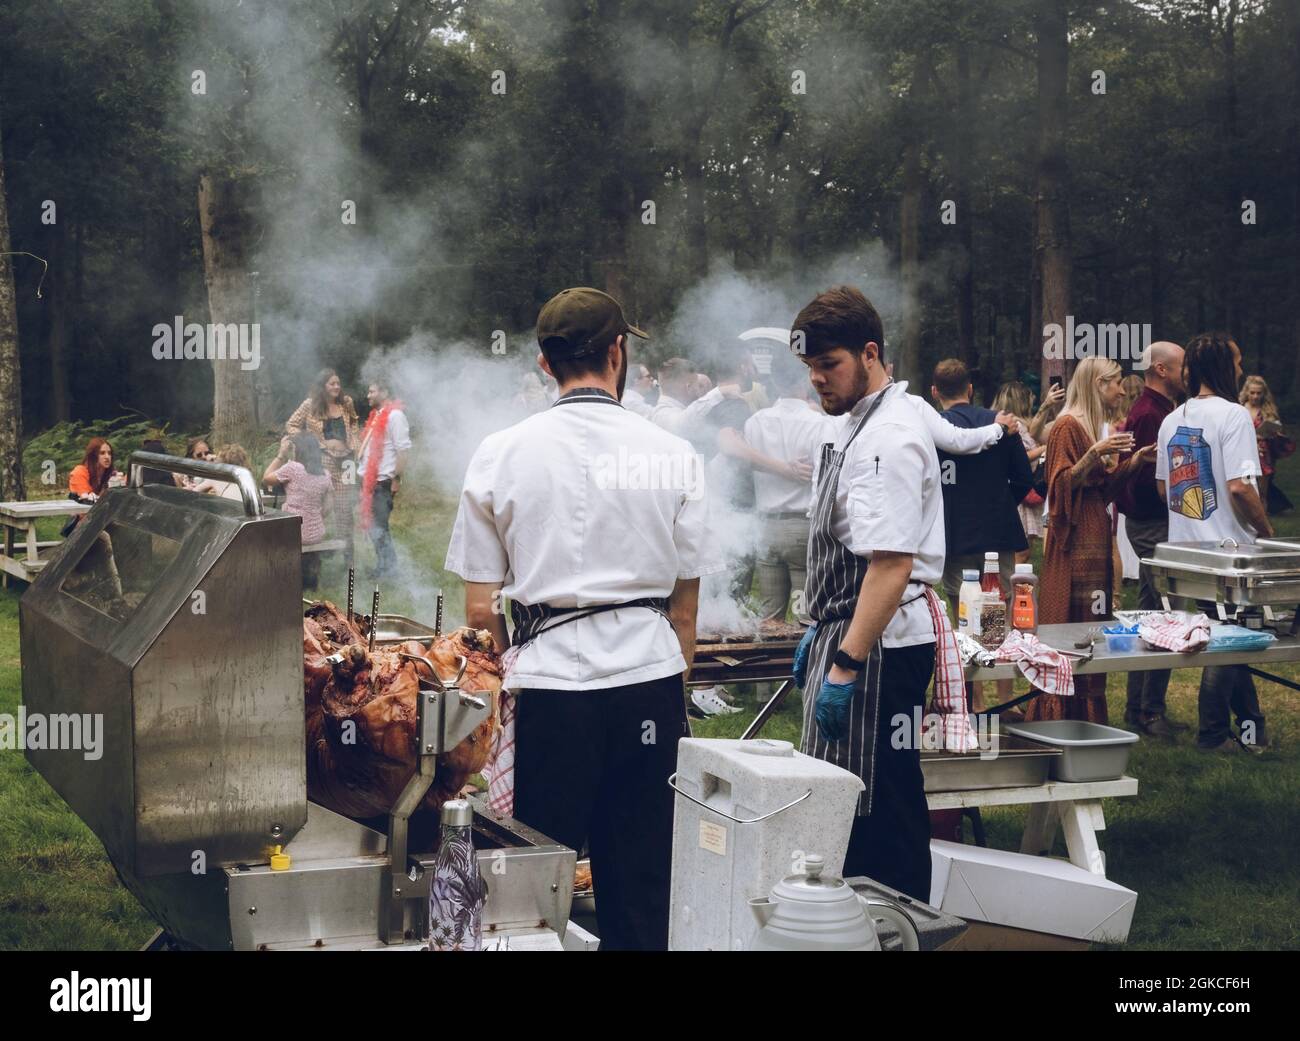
<point>593,522</point>
<point>875,546</point>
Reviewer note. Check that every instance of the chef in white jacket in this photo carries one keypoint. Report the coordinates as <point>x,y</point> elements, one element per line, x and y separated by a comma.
<point>594,524</point>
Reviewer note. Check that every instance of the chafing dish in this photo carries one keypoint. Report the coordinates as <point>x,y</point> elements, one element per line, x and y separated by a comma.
<point>1263,575</point>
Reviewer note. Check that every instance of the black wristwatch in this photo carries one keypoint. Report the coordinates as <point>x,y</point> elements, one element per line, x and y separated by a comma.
<point>843,660</point>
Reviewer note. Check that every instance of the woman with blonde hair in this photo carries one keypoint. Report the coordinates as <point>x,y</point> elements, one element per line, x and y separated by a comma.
<point>1076,583</point>
<point>1018,399</point>
<point>1258,400</point>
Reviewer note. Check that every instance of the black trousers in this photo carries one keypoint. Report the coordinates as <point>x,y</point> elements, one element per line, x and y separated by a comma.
<point>1227,691</point>
<point>592,767</point>
<point>1146,690</point>
<point>892,845</point>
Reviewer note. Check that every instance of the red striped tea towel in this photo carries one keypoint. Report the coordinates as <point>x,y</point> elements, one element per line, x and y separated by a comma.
<point>1176,632</point>
<point>1044,667</point>
<point>949,699</point>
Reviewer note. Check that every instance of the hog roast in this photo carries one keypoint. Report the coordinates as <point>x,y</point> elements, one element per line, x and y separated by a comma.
<point>361,712</point>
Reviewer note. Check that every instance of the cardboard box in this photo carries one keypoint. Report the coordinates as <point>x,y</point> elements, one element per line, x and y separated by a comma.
<point>1041,894</point>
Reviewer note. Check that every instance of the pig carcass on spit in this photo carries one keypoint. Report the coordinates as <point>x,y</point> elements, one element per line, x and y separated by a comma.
<point>361,713</point>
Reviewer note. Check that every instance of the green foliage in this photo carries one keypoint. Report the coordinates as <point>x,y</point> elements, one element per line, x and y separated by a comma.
<point>65,445</point>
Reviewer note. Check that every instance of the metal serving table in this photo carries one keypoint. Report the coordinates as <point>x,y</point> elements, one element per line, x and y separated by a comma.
<point>1062,637</point>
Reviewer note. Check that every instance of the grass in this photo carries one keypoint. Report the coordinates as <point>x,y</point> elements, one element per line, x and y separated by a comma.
<point>1208,844</point>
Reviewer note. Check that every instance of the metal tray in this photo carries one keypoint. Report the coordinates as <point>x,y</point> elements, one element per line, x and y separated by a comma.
<point>1267,557</point>
<point>1093,752</point>
<point>393,629</point>
<point>1240,576</point>
<point>1019,763</point>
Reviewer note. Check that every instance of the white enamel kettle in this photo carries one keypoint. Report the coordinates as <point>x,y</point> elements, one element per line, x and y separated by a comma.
<point>810,913</point>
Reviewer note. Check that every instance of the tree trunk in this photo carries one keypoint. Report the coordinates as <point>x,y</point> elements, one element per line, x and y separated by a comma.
<point>964,275</point>
<point>908,360</point>
<point>1157,282</point>
<point>11,386</point>
<point>223,221</point>
<point>907,363</point>
<point>1232,262</point>
<point>1035,336</point>
<point>59,303</point>
<point>1053,189</point>
<point>1293,133</point>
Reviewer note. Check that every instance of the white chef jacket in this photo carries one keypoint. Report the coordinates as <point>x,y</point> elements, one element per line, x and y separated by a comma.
<point>890,497</point>
<point>788,430</point>
<point>677,418</point>
<point>585,504</point>
<point>634,401</point>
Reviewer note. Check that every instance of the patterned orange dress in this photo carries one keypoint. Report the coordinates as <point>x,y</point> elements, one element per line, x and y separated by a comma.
<point>1076,584</point>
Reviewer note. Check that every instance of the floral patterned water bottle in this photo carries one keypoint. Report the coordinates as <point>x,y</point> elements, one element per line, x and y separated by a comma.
<point>457,889</point>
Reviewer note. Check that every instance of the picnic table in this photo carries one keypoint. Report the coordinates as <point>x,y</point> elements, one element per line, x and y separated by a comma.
<point>19,520</point>
<point>1074,806</point>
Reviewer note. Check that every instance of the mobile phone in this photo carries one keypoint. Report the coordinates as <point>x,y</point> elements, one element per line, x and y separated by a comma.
<point>1055,381</point>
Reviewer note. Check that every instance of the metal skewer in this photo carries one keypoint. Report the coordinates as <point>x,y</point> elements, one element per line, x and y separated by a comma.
<point>352,576</point>
<point>437,619</point>
<point>374,618</point>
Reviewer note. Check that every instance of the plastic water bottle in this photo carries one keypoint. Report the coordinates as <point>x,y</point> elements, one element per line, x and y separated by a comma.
<point>969,601</point>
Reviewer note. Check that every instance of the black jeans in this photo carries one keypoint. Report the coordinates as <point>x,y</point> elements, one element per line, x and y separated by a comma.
<point>1227,690</point>
<point>1146,690</point>
<point>592,766</point>
<point>381,508</point>
<point>892,845</point>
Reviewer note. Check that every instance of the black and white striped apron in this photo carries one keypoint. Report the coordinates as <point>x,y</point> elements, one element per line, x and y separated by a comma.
<point>830,594</point>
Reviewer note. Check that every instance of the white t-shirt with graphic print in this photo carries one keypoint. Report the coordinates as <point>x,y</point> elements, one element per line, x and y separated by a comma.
<point>1203,444</point>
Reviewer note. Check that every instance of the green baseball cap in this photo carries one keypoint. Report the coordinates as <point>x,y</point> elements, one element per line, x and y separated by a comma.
<point>580,321</point>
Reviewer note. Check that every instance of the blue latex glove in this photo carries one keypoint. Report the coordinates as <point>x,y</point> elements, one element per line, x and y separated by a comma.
<point>801,656</point>
<point>833,709</point>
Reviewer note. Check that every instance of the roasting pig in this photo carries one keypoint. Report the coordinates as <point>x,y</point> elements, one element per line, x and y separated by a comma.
<point>361,713</point>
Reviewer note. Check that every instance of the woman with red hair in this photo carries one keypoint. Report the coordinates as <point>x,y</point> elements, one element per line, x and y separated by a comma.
<point>95,474</point>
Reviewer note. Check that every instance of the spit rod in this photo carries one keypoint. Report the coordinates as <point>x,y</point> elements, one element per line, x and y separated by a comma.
<point>437,619</point>
<point>374,618</point>
<point>352,577</point>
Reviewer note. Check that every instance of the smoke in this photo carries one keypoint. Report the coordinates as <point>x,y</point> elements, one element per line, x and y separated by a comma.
<point>351,252</point>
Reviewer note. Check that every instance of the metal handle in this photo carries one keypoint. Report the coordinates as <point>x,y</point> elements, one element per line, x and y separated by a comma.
<point>672,783</point>
<point>236,475</point>
<point>1228,538</point>
<point>466,699</point>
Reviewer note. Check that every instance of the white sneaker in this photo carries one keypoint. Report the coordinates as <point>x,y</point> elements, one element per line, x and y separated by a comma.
<point>709,702</point>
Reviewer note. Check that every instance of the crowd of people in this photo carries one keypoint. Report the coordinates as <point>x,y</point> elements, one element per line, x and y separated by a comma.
<point>858,502</point>
<point>327,463</point>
